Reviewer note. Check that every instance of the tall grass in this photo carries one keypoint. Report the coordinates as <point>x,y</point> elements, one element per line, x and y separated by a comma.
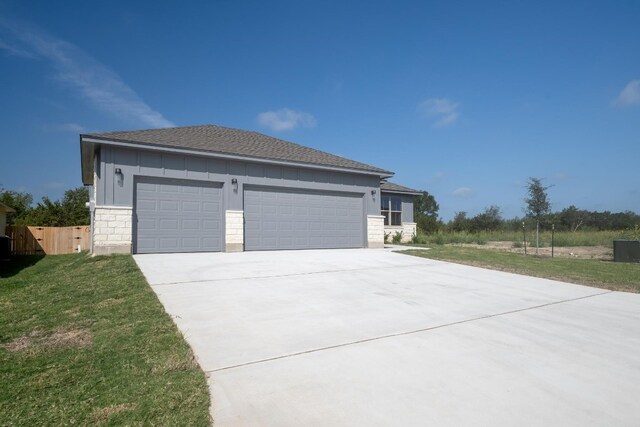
<point>561,238</point>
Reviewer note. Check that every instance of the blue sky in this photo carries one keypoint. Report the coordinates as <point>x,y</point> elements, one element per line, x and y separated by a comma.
<point>462,99</point>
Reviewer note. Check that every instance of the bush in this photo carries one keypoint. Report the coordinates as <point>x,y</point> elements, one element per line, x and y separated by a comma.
<point>428,224</point>
<point>438,239</point>
<point>397,237</point>
<point>386,237</point>
<point>419,239</point>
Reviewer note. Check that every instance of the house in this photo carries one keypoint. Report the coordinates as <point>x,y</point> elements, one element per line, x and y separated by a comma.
<point>4,210</point>
<point>396,205</point>
<point>212,188</point>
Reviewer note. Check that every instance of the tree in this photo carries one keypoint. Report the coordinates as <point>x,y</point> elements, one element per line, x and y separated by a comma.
<point>74,204</point>
<point>573,218</point>
<point>460,222</point>
<point>537,201</point>
<point>425,212</point>
<point>20,201</point>
<point>489,220</point>
<point>70,211</point>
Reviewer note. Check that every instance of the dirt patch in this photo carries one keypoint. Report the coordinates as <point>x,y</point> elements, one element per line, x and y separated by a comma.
<point>68,338</point>
<point>74,312</point>
<point>18,344</point>
<point>580,252</point>
<point>101,415</point>
<point>77,338</point>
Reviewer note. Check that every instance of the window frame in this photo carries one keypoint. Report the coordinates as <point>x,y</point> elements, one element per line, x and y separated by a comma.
<point>389,213</point>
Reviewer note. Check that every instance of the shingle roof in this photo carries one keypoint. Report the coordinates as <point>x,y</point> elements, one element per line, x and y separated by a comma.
<point>395,188</point>
<point>223,140</point>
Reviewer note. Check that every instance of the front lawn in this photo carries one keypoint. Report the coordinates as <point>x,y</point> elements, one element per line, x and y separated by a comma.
<point>85,341</point>
<point>603,274</point>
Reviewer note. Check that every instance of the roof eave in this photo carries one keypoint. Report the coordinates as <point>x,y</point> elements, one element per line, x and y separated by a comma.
<point>411,193</point>
<point>88,139</point>
<point>87,151</point>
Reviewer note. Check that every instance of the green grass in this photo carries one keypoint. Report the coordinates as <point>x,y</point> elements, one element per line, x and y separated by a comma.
<point>603,274</point>
<point>85,341</point>
<point>561,238</point>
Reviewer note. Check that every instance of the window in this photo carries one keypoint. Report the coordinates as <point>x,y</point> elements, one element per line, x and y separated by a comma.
<point>391,209</point>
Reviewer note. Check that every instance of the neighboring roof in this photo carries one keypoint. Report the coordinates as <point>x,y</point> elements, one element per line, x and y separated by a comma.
<point>235,142</point>
<point>390,187</point>
<point>5,209</point>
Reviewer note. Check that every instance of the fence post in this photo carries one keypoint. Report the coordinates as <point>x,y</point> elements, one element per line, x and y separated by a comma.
<point>524,238</point>
<point>553,231</point>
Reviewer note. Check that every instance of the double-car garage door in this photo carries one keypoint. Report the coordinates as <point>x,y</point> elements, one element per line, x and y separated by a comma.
<point>277,218</point>
<point>187,216</point>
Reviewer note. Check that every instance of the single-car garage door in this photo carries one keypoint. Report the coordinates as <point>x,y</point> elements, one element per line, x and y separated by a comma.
<point>277,218</point>
<point>174,215</point>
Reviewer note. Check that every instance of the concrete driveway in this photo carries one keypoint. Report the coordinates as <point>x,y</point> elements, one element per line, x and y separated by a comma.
<point>371,337</point>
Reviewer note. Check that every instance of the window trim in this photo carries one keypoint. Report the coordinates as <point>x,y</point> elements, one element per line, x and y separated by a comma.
<point>388,212</point>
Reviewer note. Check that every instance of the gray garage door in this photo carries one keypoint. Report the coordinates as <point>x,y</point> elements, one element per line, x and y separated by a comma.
<point>177,216</point>
<point>302,219</point>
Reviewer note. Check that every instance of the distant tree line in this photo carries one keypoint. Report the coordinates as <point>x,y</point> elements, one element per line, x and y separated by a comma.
<point>69,211</point>
<point>568,219</point>
<point>537,208</point>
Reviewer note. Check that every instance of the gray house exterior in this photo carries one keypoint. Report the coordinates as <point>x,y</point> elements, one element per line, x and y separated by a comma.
<point>211,188</point>
<point>396,205</point>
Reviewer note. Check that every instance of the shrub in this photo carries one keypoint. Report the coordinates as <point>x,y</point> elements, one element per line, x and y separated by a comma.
<point>438,239</point>
<point>386,237</point>
<point>397,237</point>
<point>419,239</point>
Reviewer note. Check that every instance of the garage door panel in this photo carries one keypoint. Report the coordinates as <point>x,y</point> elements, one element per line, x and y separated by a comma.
<point>177,216</point>
<point>168,224</point>
<point>191,224</point>
<point>147,205</point>
<point>168,206</point>
<point>211,225</point>
<point>299,219</point>
<point>167,188</point>
<point>147,224</point>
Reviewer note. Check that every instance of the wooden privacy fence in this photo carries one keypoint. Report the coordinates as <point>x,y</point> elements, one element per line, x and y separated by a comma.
<point>48,240</point>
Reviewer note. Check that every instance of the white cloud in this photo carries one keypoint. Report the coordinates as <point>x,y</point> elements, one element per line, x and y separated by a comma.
<point>462,192</point>
<point>16,51</point>
<point>442,111</point>
<point>97,84</point>
<point>286,119</point>
<point>628,96</point>
<point>71,127</point>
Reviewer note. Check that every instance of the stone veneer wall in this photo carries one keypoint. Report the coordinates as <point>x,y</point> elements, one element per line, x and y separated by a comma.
<point>112,230</point>
<point>375,231</point>
<point>408,229</point>
<point>234,231</point>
